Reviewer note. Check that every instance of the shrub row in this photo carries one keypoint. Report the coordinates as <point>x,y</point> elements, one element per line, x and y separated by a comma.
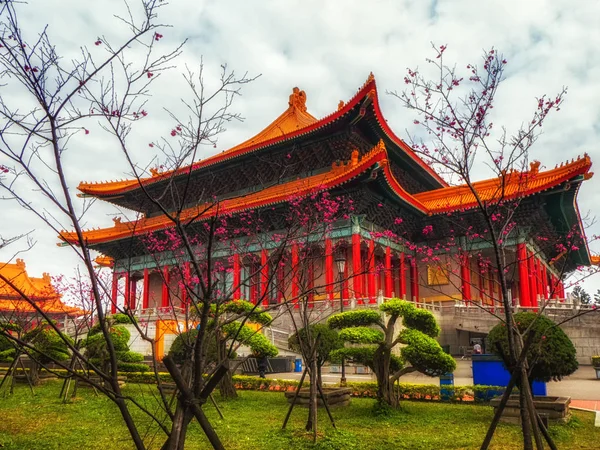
<point>359,389</point>
<point>407,391</point>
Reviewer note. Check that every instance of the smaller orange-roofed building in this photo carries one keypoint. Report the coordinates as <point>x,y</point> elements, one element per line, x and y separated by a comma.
<point>18,290</point>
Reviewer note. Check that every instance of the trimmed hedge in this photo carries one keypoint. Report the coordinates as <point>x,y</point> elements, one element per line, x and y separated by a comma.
<point>132,367</point>
<point>408,391</point>
<point>596,361</point>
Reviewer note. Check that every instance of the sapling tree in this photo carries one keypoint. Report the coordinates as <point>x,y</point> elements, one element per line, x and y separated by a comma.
<point>389,351</point>
<point>329,341</point>
<point>59,101</point>
<point>460,139</point>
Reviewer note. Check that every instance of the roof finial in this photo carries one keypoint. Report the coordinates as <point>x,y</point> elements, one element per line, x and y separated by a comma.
<point>534,167</point>
<point>371,77</point>
<point>354,158</point>
<point>298,99</point>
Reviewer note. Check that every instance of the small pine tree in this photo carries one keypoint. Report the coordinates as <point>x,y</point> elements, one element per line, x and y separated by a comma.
<point>375,339</point>
<point>581,296</point>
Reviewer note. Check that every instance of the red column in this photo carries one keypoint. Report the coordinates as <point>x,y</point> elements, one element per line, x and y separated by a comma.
<point>532,279</point>
<point>561,291</point>
<point>295,285</point>
<point>254,281</point>
<point>280,282</point>
<point>553,286</point>
<point>402,275</point>
<point>311,282</point>
<point>264,276</point>
<point>491,285</point>
<point>132,292</point>
<point>165,287</point>
<point>236,276</point>
<point>185,283</point>
<point>388,280</point>
<point>540,278</point>
<point>115,293</point>
<point>357,268</point>
<point>127,296</point>
<point>414,279</point>
<point>371,276</point>
<point>544,281</point>
<point>524,299</point>
<point>465,277</point>
<point>328,269</point>
<point>481,283</point>
<point>345,294</point>
<point>146,289</point>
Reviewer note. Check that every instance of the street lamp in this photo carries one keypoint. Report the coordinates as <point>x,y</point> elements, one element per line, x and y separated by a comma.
<point>340,262</point>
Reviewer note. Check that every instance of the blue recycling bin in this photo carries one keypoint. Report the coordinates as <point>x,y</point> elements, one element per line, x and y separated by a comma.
<point>446,381</point>
<point>489,370</point>
<point>298,365</point>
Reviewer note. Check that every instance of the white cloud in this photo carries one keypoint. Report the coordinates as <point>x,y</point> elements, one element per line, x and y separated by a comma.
<point>328,49</point>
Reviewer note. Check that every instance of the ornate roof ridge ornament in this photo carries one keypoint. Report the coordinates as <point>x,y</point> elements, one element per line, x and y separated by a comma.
<point>297,99</point>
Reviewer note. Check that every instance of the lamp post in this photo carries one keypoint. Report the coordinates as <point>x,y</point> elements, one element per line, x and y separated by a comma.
<point>340,262</point>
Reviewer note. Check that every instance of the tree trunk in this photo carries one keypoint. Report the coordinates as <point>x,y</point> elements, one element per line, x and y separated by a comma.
<point>525,423</point>
<point>181,419</point>
<point>311,422</point>
<point>34,373</point>
<point>226,386</point>
<point>381,367</point>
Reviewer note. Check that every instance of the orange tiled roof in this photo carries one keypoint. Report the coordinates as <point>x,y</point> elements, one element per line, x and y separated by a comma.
<point>514,185</point>
<point>104,261</point>
<point>339,174</point>
<point>295,121</point>
<point>39,290</point>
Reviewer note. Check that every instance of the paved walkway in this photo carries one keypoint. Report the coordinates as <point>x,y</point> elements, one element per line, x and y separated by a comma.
<point>582,386</point>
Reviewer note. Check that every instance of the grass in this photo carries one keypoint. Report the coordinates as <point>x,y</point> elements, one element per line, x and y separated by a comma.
<point>253,421</point>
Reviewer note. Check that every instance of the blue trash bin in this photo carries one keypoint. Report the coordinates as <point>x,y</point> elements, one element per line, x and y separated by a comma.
<point>489,370</point>
<point>298,365</point>
<point>446,381</point>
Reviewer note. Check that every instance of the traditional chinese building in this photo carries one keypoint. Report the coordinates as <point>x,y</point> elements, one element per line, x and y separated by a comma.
<point>354,153</point>
<point>13,305</point>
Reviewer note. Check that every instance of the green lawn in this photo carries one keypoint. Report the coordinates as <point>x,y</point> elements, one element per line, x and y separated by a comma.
<point>254,422</point>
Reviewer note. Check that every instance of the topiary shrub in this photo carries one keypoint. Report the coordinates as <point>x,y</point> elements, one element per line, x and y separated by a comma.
<point>373,341</point>
<point>182,347</point>
<point>132,367</point>
<point>48,346</point>
<point>130,357</point>
<point>551,356</point>
<point>596,361</point>
<point>8,355</point>
<point>96,348</point>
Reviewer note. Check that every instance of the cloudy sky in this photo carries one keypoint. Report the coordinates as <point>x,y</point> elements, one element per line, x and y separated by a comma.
<point>328,50</point>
